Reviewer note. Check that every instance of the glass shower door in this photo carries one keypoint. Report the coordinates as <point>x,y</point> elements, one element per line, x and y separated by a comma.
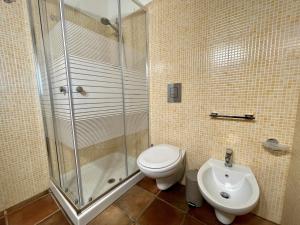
<point>92,37</point>
<point>134,68</point>
<point>58,85</point>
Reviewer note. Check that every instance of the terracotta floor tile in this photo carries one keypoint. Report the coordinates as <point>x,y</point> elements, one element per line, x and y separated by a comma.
<point>192,221</point>
<point>149,184</point>
<point>24,203</point>
<point>135,201</point>
<point>175,196</point>
<point>205,214</point>
<point>56,219</point>
<point>160,213</point>
<point>33,212</point>
<point>251,219</point>
<point>113,215</point>
<point>2,221</point>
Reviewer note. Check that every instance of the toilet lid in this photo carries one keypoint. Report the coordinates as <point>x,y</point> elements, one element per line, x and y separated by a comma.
<point>159,156</point>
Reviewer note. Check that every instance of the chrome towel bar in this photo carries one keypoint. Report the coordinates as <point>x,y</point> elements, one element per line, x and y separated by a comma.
<point>245,117</point>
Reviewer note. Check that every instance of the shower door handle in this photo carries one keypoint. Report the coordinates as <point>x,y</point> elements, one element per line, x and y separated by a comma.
<point>80,90</point>
<point>63,90</point>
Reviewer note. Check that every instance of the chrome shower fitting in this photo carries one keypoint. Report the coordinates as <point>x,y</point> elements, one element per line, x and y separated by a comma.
<point>107,22</point>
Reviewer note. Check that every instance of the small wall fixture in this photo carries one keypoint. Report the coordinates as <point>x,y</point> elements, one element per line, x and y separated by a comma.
<point>274,145</point>
<point>174,93</point>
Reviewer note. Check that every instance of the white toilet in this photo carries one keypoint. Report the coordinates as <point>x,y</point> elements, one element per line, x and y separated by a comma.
<point>165,163</point>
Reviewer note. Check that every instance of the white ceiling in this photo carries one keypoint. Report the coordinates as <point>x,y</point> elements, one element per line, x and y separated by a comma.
<point>105,8</point>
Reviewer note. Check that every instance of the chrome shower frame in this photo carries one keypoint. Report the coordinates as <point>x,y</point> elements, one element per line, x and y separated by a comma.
<point>71,104</point>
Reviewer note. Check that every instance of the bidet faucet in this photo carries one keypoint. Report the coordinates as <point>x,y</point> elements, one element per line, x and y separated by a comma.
<point>228,157</point>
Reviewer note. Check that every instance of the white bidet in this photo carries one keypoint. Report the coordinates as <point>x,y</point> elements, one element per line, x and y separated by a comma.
<point>232,191</point>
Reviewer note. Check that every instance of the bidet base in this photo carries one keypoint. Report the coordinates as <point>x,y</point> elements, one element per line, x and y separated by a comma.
<point>224,217</point>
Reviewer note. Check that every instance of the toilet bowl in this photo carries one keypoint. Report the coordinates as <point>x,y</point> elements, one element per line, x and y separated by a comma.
<point>163,162</point>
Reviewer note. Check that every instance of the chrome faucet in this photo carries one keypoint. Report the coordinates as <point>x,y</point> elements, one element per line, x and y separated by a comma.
<point>228,157</point>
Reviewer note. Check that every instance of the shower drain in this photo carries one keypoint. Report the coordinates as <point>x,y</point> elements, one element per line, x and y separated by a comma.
<point>111,180</point>
<point>225,195</point>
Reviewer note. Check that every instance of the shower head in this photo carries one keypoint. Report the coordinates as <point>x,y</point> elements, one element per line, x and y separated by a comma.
<point>107,22</point>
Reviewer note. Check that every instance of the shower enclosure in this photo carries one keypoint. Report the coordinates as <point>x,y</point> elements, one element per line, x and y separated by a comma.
<point>92,73</point>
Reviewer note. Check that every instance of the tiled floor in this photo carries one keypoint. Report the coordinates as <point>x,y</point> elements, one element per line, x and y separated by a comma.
<point>143,204</point>
<point>2,221</point>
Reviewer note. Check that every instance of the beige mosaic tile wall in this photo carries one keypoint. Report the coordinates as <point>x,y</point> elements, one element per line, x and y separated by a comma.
<point>232,57</point>
<point>23,157</point>
<point>291,207</point>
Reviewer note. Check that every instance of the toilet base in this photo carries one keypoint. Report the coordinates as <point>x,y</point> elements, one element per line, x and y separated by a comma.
<point>164,183</point>
<point>223,217</point>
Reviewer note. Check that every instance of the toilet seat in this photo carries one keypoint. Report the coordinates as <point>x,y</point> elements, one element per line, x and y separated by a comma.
<point>159,157</point>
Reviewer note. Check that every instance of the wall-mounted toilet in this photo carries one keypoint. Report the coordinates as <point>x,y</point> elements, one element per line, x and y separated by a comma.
<point>165,163</point>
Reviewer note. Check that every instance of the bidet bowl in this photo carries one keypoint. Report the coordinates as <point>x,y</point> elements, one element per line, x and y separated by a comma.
<point>231,191</point>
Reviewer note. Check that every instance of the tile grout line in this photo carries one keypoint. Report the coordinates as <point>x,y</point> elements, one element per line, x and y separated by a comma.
<point>135,220</point>
<point>184,212</point>
<point>149,191</point>
<point>66,216</point>
<point>56,202</point>
<point>173,206</point>
<point>183,219</point>
<point>61,209</point>
<point>146,207</point>
<point>47,217</point>
<point>9,212</point>
<point>156,196</point>
<point>126,214</point>
<point>5,217</point>
<point>195,218</point>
